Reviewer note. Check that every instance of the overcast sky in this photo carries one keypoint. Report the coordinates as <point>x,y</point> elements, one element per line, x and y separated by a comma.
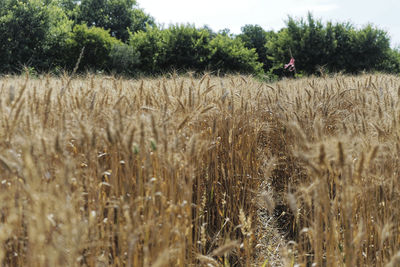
<point>271,15</point>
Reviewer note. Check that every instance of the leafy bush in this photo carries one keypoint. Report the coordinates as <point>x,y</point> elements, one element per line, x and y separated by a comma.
<point>117,16</point>
<point>31,34</point>
<point>254,36</point>
<point>339,47</point>
<point>183,47</point>
<point>150,45</point>
<point>180,47</point>
<point>186,48</point>
<point>98,45</point>
<point>39,35</point>
<point>310,44</point>
<point>370,47</point>
<point>230,55</point>
<point>124,59</point>
<point>391,64</point>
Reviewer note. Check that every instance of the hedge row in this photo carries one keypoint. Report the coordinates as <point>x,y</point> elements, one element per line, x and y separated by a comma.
<point>117,36</point>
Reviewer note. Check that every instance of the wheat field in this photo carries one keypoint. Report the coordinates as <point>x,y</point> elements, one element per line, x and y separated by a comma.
<point>199,171</point>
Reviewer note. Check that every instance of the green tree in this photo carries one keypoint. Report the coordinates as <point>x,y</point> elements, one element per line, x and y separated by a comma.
<point>342,57</point>
<point>180,47</point>
<point>32,33</point>
<point>70,7</point>
<point>371,47</point>
<point>210,31</point>
<point>226,32</point>
<point>57,36</point>
<point>309,43</point>
<point>280,46</point>
<point>338,47</point>
<point>151,47</point>
<point>124,59</point>
<point>118,16</point>
<point>187,48</point>
<point>391,64</point>
<point>254,36</point>
<point>141,20</point>
<point>183,47</point>
<point>231,55</point>
<point>98,45</point>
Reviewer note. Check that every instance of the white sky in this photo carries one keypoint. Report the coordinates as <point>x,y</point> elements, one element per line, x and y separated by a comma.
<point>271,15</point>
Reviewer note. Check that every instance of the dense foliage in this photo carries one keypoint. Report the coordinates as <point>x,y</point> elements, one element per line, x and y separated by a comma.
<point>31,33</point>
<point>97,44</point>
<point>332,47</point>
<point>48,35</point>
<point>118,16</point>
<point>254,36</point>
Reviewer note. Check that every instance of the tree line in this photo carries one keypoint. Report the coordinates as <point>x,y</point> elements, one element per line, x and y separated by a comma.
<point>117,36</point>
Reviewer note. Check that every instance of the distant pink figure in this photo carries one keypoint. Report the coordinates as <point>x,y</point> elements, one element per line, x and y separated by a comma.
<point>290,66</point>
